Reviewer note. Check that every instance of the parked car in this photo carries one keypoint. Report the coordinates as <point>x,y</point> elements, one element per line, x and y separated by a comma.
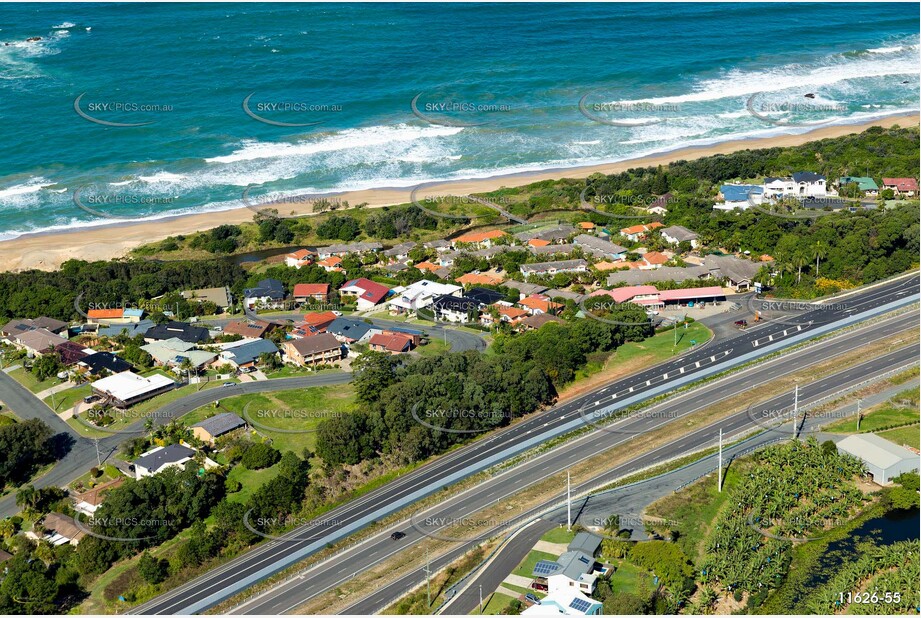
<point>539,586</point>
<point>229,384</point>
<point>530,598</point>
<point>741,323</point>
<point>396,536</point>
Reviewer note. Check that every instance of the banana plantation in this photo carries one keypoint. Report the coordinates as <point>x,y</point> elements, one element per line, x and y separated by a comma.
<point>796,491</point>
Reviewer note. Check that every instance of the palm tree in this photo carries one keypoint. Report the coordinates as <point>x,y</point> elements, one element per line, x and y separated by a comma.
<point>799,260</point>
<point>819,251</point>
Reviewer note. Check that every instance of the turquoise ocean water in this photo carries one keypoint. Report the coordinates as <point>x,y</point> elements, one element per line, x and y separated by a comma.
<point>496,87</point>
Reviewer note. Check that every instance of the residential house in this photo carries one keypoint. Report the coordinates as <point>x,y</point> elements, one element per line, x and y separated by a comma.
<point>101,362</point>
<point>181,330</point>
<point>364,292</point>
<point>534,322</point>
<point>676,234</point>
<point>349,330</point>
<point>219,296</point>
<point>653,259</point>
<point>313,323</point>
<point>482,239</point>
<point>553,268</point>
<point>906,187</point>
<point>396,267</point>
<point>810,184</point>
<point>774,187</point>
<point>213,427</point>
<point>250,329</point>
<point>586,226</point>
<point>71,353</point>
<point>421,294</point>
<point>565,295</point>
<point>394,344</point>
<point>508,315</point>
<point>427,266</point>
<point>37,342</point>
<point>553,249</point>
<point>538,304</point>
<point>114,330</point>
<point>126,389</point>
<point>399,253</point>
<point>460,309</point>
<point>565,603</point>
<point>573,570</point>
<point>268,293</point>
<point>331,264</point>
<point>350,248</point>
<point>480,279</point>
<point>61,530</point>
<point>415,336</point>
<point>299,258</point>
<point>19,326</point>
<point>737,272</point>
<point>484,295</point>
<point>89,501</point>
<point>600,248</point>
<point>441,245</point>
<point>635,233</point>
<point>739,197</point>
<point>525,289</point>
<point>246,353</point>
<point>660,205</point>
<point>639,294</point>
<point>866,185</point>
<point>158,459</point>
<point>304,292</point>
<point>174,352</point>
<point>321,349</point>
<point>119,315</point>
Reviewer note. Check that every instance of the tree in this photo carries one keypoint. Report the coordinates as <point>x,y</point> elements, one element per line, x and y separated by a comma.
<point>46,366</point>
<point>624,603</point>
<point>258,456</point>
<point>153,570</point>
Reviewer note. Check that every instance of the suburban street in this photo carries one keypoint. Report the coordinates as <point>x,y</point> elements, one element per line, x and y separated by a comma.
<point>717,357</point>
<point>81,453</point>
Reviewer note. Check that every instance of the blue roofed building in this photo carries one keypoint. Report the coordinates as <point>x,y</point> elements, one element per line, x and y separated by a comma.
<point>739,197</point>
<point>246,353</point>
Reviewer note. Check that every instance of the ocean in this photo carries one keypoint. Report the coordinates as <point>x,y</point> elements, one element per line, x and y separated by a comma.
<point>150,110</point>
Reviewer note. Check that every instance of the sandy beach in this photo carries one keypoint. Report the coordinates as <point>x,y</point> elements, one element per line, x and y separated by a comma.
<point>47,251</point>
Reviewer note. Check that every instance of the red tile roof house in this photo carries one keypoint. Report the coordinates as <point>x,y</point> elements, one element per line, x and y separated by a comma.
<point>307,291</point>
<point>483,239</point>
<point>395,344</point>
<point>313,324</point>
<point>902,186</point>
<point>301,257</point>
<point>364,292</point>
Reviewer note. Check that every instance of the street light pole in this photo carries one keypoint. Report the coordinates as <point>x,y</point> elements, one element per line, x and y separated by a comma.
<point>719,477</point>
<point>568,503</point>
<point>481,599</point>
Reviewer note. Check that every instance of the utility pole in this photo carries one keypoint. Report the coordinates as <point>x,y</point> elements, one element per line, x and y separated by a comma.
<point>859,415</point>
<point>719,477</point>
<point>98,456</point>
<point>795,408</point>
<point>568,503</point>
<point>481,599</point>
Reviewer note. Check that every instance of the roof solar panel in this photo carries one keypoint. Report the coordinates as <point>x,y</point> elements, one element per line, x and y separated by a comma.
<point>583,559</point>
<point>545,567</point>
<point>580,605</point>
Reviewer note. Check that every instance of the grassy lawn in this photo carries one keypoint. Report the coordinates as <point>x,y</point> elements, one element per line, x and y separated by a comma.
<point>296,414</point>
<point>497,602</point>
<point>31,382</point>
<point>251,481</point>
<point>433,348</point>
<point>526,568</point>
<point>558,535</point>
<point>628,578</point>
<point>695,507</point>
<point>906,436</point>
<point>658,348</point>
<point>885,416</point>
<point>86,481</point>
<point>65,400</point>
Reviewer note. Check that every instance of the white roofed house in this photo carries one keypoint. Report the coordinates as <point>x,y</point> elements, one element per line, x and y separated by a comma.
<point>553,268</point>
<point>420,294</point>
<point>125,389</point>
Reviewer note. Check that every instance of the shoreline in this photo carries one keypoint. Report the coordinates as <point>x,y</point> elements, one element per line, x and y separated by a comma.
<point>48,250</point>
